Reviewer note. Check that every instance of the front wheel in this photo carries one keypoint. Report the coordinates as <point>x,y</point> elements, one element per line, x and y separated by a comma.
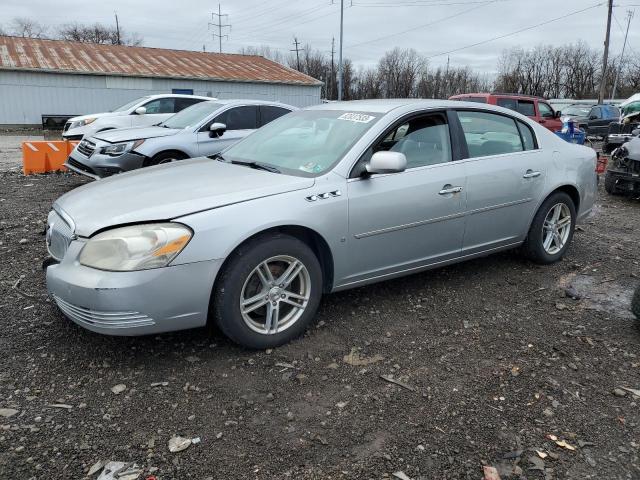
<point>268,292</point>
<point>552,229</point>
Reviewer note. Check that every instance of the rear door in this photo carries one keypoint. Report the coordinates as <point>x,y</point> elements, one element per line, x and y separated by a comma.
<point>599,119</point>
<point>240,121</point>
<point>505,179</point>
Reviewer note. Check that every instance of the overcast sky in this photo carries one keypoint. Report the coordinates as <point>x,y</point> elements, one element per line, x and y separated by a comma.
<point>432,27</point>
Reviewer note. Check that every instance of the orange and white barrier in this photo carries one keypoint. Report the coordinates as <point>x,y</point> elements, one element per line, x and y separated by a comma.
<point>43,156</point>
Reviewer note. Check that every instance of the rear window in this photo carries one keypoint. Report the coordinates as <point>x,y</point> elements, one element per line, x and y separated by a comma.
<point>490,134</point>
<point>526,108</point>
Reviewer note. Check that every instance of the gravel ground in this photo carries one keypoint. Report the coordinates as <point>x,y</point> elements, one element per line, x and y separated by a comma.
<point>494,358</point>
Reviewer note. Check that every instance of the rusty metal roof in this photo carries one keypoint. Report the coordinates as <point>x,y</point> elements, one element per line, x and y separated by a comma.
<point>61,56</point>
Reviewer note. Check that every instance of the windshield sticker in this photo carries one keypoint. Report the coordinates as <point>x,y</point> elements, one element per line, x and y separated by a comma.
<point>356,117</point>
<point>311,167</point>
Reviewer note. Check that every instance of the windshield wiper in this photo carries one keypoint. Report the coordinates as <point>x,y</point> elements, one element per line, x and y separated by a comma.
<point>257,166</point>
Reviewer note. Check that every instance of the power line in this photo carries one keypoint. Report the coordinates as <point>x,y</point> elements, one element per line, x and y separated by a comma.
<point>220,26</point>
<point>424,25</point>
<point>516,32</point>
<point>257,30</point>
<point>624,46</point>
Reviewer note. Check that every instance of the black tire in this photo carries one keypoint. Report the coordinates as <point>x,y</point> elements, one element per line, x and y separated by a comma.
<point>228,289</point>
<point>534,244</point>
<point>164,157</point>
<point>635,303</point>
<point>610,184</point>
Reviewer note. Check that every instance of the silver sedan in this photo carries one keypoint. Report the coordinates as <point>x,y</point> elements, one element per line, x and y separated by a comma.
<point>323,199</point>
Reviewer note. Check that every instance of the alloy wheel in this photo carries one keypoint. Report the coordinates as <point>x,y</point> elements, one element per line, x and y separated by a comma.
<point>275,294</point>
<point>556,228</point>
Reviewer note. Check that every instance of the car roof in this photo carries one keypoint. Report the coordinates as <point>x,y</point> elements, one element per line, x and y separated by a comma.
<point>387,105</point>
<point>178,95</point>
<point>248,101</point>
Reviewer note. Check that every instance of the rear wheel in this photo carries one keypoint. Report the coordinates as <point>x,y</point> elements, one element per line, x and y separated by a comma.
<point>269,291</point>
<point>164,157</point>
<point>552,229</point>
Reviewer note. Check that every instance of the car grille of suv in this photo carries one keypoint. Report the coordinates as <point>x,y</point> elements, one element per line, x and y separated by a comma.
<point>86,148</point>
<point>80,166</point>
<point>59,236</point>
<point>66,126</point>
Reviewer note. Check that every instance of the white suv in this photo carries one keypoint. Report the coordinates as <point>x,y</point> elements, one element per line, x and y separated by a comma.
<point>142,112</point>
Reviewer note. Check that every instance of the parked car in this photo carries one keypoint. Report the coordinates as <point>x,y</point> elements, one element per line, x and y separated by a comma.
<point>141,112</point>
<point>537,109</point>
<point>594,119</point>
<point>200,130</point>
<point>619,134</point>
<point>623,174</point>
<point>322,199</point>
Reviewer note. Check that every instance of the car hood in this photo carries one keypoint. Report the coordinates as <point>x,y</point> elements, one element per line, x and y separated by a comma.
<point>96,115</point>
<point>136,133</point>
<point>169,191</point>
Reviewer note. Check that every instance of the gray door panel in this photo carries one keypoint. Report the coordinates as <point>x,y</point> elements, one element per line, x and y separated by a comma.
<point>402,221</point>
<point>502,193</point>
<point>210,145</point>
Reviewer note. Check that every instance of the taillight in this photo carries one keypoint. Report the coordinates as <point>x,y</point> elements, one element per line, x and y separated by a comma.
<point>601,164</point>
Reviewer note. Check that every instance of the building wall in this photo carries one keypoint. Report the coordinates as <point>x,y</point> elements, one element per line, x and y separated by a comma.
<point>25,96</point>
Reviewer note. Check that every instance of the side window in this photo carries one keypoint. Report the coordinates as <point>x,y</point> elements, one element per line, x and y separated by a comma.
<point>528,140</point>
<point>182,103</point>
<point>269,113</point>
<point>160,105</point>
<point>526,108</point>
<point>489,134</point>
<point>240,118</point>
<point>424,140</point>
<point>545,110</point>
<point>509,103</point>
<point>595,112</point>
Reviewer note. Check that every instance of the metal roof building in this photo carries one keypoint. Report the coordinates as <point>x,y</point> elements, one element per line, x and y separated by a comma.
<point>57,77</point>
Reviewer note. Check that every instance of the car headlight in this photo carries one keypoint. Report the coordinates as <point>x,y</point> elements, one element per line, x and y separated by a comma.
<point>120,148</point>
<point>137,247</point>
<point>82,123</point>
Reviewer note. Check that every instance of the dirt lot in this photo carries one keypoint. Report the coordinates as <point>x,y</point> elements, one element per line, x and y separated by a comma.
<point>494,354</point>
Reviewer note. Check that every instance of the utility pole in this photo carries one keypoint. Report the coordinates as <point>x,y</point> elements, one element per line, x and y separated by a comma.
<point>333,52</point>
<point>340,68</point>
<point>605,59</point>
<point>220,26</point>
<point>117,29</point>
<point>297,50</point>
<point>624,46</point>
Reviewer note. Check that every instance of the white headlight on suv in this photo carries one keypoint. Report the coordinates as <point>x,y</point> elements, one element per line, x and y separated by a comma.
<point>120,148</point>
<point>138,247</point>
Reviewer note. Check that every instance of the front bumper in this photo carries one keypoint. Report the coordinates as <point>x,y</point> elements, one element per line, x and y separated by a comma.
<point>99,165</point>
<point>132,303</point>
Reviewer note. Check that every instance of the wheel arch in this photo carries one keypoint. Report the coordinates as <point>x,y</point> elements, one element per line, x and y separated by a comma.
<point>171,150</point>
<point>569,189</point>
<point>309,236</point>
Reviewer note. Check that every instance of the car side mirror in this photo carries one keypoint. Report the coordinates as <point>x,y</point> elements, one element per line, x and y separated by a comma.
<point>217,129</point>
<point>141,110</point>
<point>558,114</point>
<point>387,162</point>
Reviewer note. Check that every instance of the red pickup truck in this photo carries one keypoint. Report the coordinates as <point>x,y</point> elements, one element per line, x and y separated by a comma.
<point>536,108</point>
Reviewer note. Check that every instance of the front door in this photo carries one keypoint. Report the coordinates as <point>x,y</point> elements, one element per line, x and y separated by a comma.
<point>402,221</point>
<point>506,174</point>
<point>240,122</point>
<point>158,110</point>
<point>547,117</point>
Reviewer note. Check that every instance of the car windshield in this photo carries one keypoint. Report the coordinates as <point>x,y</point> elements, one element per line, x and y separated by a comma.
<point>577,110</point>
<point>191,116</point>
<point>304,143</point>
<point>127,106</point>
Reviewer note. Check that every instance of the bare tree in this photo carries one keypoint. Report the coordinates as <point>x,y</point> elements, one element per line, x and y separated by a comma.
<point>98,33</point>
<point>266,52</point>
<point>26,27</point>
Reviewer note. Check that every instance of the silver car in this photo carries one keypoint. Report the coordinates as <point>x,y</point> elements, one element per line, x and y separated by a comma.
<point>323,199</point>
<point>200,130</point>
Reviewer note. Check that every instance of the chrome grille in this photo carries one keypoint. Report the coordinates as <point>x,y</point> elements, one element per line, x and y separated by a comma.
<point>59,236</point>
<point>95,318</point>
<point>86,148</point>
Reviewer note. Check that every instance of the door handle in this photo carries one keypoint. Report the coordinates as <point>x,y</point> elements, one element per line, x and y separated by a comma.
<point>531,174</point>
<point>448,190</point>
